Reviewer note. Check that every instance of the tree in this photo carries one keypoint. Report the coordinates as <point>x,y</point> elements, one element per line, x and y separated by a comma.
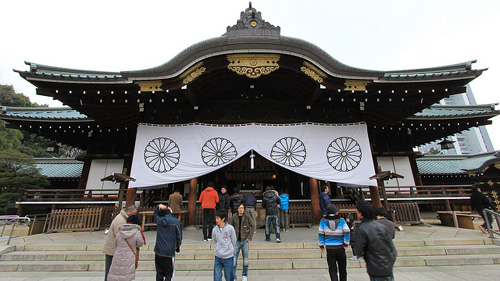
<point>23,141</point>
<point>17,171</point>
<point>8,97</point>
<point>9,138</point>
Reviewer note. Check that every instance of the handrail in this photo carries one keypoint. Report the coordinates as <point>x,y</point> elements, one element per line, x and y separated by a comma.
<point>490,227</point>
<point>12,220</point>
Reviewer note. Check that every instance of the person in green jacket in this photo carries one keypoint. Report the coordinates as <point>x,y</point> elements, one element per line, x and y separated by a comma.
<point>244,227</point>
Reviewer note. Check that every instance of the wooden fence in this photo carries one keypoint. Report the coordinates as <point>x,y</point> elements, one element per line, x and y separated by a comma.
<point>75,220</point>
<point>300,214</point>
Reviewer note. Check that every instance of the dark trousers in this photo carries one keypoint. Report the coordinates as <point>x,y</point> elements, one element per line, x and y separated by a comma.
<point>208,223</point>
<point>334,257</point>
<point>489,217</point>
<point>109,259</point>
<point>164,268</point>
<point>352,247</point>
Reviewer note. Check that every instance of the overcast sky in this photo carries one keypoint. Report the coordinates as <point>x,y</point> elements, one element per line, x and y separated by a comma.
<point>130,35</point>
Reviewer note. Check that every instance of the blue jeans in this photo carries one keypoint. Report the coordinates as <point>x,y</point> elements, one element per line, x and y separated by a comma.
<point>388,278</point>
<point>490,219</point>
<point>272,219</point>
<point>227,264</point>
<point>243,246</point>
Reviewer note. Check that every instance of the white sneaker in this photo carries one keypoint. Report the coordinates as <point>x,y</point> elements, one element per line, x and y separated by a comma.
<point>244,278</point>
<point>209,239</point>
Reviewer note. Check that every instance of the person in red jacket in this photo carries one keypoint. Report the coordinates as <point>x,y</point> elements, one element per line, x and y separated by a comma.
<point>208,199</point>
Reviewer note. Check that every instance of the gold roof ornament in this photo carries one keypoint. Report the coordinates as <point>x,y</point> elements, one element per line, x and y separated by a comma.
<point>356,85</point>
<point>150,86</point>
<point>253,65</point>
<point>313,72</point>
<point>192,73</point>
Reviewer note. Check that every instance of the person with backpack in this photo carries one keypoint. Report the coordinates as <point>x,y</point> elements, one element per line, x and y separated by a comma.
<point>270,202</point>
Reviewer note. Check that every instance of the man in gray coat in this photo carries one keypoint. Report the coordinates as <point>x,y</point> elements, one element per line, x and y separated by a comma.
<point>110,246</point>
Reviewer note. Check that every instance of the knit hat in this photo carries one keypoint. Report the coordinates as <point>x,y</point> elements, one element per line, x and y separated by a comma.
<point>134,219</point>
<point>332,209</point>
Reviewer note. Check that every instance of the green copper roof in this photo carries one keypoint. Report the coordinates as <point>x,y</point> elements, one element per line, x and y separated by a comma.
<point>42,113</point>
<point>456,164</point>
<point>439,167</point>
<point>59,167</point>
<point>455,111</point>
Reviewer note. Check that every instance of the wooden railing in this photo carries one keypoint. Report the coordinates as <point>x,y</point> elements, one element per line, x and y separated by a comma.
<point>426,191</point>
<point>44,195</point>
<point>75,220</point>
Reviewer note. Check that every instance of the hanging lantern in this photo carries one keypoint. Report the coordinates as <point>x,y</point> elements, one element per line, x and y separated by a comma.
<point>446,144</point>
<point>252,156</point>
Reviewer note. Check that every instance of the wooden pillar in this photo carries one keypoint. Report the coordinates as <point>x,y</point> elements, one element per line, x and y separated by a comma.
<point>193,183</point>
<point>131,193</point>
<point>386,200</point>
<point>316,212</point>
<point>375,196</point>
<point>82,184</point>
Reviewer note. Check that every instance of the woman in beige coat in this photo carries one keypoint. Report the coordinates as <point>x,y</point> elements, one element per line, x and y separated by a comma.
<point>123,264</point>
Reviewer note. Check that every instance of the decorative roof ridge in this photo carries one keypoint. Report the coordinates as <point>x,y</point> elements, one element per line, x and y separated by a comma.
<point>427,157</point>
<point>55,160</point>
<point>452,67</point>
<point>18,109</point>
<point>490,106</point>
<point>35,67</point>
<point>251,24</point>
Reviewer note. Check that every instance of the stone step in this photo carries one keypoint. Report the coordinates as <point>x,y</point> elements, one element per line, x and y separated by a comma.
<point>258,245</point>
<point>276,264</point>
<point>254,254</point>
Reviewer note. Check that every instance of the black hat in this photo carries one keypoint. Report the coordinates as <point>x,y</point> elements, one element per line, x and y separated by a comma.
<point>332,209</point>
<point>269,188</point>
<point>134,219</point>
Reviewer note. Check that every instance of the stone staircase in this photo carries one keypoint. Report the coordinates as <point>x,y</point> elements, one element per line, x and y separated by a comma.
<point>263,256</point>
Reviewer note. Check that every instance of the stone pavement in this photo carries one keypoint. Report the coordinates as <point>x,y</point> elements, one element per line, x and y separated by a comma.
<point>194,236</point>
<point>448,273</point>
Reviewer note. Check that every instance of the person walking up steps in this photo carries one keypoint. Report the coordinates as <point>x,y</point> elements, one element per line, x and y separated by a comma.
<point>334,235</point>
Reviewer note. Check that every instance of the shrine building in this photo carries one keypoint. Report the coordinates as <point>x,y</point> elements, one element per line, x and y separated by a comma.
<point>249,109</point>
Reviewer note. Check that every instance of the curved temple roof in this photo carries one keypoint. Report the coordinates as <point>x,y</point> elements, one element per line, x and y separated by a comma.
<point>252,34</point>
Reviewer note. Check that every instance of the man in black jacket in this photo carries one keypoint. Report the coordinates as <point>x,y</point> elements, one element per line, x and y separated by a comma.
<point>479,202</point>
<point>168,242</point>
<point>224,201</point>
<point>374,244</point>
<point>236,199</point>
<point>270,202</point>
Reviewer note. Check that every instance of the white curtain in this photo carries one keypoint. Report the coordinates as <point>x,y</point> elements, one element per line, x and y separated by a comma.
<point>172,153</point>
